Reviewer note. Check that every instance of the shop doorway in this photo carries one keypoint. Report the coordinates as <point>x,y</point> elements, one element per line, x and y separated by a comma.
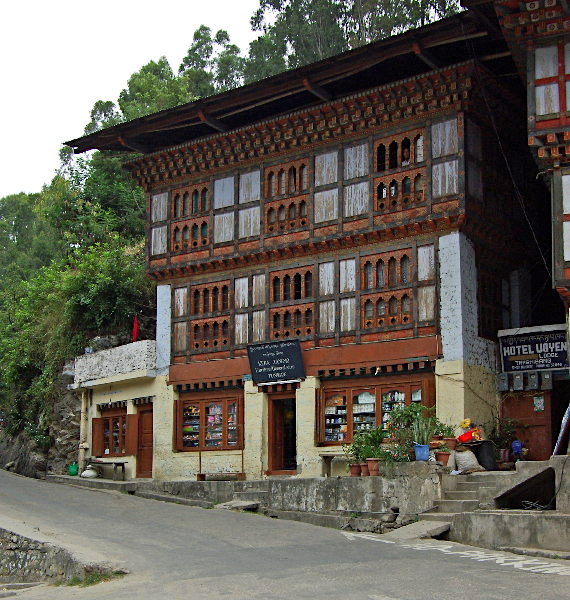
<point>282,436</point>
<point>145,442</point>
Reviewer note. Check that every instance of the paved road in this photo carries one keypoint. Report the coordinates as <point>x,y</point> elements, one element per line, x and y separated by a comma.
<point>175,552</point>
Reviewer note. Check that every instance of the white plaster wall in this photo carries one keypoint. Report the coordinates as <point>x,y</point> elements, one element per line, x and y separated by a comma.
<point>163,300</point>
<point>138,356</point>
<point>458,304</point>
<point>126,390</point>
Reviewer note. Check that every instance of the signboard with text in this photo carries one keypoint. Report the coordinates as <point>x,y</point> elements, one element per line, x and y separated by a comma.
<point>534,351</point>
<point>276,361</point>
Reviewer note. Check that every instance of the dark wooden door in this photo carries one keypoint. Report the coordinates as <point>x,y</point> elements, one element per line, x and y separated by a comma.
<point>283,438</point>
<point>145,439</point>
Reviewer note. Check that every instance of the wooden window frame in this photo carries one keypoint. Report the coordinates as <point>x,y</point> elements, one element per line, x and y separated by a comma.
<point>203,403</point>
<point>127,425</point>
<point>379,387</point>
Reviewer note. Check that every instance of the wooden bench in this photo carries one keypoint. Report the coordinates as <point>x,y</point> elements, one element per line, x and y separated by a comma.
<point>115,463</point>
<point>327,462</point>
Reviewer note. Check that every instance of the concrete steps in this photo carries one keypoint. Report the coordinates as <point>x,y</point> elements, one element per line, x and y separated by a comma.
<point>261,497</point>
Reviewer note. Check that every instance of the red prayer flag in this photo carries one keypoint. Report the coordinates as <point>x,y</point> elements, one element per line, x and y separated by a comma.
<point>136,328</point>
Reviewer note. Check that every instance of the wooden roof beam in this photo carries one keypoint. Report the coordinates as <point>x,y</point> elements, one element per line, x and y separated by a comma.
<point>212,121</point>
<point>426,56</point>
<point>317,90</point>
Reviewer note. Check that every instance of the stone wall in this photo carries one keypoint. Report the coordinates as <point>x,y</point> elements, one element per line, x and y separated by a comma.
<point>412,487</point>
<point>138,356</point>
<point>25,560</point>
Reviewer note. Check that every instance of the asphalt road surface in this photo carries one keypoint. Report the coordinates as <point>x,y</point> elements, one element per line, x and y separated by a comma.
<point>176,552</point>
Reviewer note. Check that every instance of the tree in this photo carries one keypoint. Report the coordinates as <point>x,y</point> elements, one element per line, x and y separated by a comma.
<point>310,29</point>
<point>153,88</point>
<point>212,64</point>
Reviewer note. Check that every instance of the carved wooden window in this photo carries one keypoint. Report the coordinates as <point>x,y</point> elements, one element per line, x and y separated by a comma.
<point>287,287</point>
<point>368,273</point>
<point>276,284</point>
<point>419,148</point>
<point>204,200</point>
<point>215,300</point>
<point>297,286</point>
<point>406,157</point>
<point>303,179</point>
<point>177,206</point>
<point>380,281</point>
<point>444,138</point>
<point>186,204</point>
<point>381,158</point>
<point>195,202</point>
<point>225,297</point>
<point>393,155</point>
<point>405,270</point>
<point>281,182</point>
<point>206,301</point>
<point>271,184</point>
<point>392,273</point>
<point>308,284</point>
<point>292,187</point>
<point>356,161</point>
<point>209,424</point>
<point>111,429</point>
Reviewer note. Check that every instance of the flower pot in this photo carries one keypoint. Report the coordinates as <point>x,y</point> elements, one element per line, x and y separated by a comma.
<point>354,469</point>
<point>421,451</point>
<point>504,454</point>
<point>373,466</point>
<point>364,470</point>
<point>442,457</point>
<point>451,442</point>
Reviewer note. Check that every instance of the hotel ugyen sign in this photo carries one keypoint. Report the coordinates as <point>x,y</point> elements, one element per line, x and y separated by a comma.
<point>276,362</point>
<point>534,351</point>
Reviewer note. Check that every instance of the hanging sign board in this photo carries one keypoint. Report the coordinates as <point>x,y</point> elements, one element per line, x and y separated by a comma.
<point>534,351</point>
<point>276,362</point>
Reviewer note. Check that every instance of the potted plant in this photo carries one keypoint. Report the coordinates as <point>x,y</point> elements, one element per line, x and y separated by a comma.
<point>442,454</point>
<point>448,433</point>
<point>423,428</point>
<point>502,432</point>
<point>355,453</point>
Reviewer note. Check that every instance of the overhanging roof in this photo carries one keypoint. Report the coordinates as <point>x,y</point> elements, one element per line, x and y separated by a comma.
<point>461,37</point>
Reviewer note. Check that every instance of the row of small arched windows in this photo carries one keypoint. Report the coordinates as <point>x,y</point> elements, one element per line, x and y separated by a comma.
<point>185,205</point>
<point>283,213</point>
<point>295,287</point>
<point>296,319</point>
<point>206,301</point>
<point>393,188</point>
<point>400,155</point>
<point>193,233</point>
<point>380,306</point>
<point>381,275</point>
<point>287,182</point>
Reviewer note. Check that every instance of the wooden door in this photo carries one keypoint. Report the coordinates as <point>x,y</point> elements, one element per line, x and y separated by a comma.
<point>283,438</point>
<point>145,442</point>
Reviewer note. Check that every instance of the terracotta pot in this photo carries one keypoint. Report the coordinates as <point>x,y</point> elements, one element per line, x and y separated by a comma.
<point>373,466</point>
<point>451,443</point>
<point>442,457</point>
<point>364,470</point>
<point>354,469</point>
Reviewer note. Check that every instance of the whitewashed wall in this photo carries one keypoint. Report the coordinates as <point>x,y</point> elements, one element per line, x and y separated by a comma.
<point>458,303</point>
<point>326,168</point>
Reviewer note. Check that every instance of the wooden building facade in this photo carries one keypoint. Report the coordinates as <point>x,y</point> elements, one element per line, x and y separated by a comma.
<point>359,206</point>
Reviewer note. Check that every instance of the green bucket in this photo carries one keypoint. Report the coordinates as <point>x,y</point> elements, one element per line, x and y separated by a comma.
<point>72,469</point>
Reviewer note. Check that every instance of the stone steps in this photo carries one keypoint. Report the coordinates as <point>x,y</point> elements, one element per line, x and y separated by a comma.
<point>457,506</point>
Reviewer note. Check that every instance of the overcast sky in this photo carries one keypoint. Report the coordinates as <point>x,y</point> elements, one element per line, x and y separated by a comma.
<point>60,56</point>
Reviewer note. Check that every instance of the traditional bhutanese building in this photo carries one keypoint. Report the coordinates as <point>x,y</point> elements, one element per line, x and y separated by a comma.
<point>366,208</point>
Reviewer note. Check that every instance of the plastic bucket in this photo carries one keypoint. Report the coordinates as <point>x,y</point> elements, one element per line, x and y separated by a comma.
<point>422,451</point>
<point>72,469</point>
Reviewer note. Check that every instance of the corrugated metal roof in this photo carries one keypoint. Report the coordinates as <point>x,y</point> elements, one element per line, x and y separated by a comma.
<point>461,37</point>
